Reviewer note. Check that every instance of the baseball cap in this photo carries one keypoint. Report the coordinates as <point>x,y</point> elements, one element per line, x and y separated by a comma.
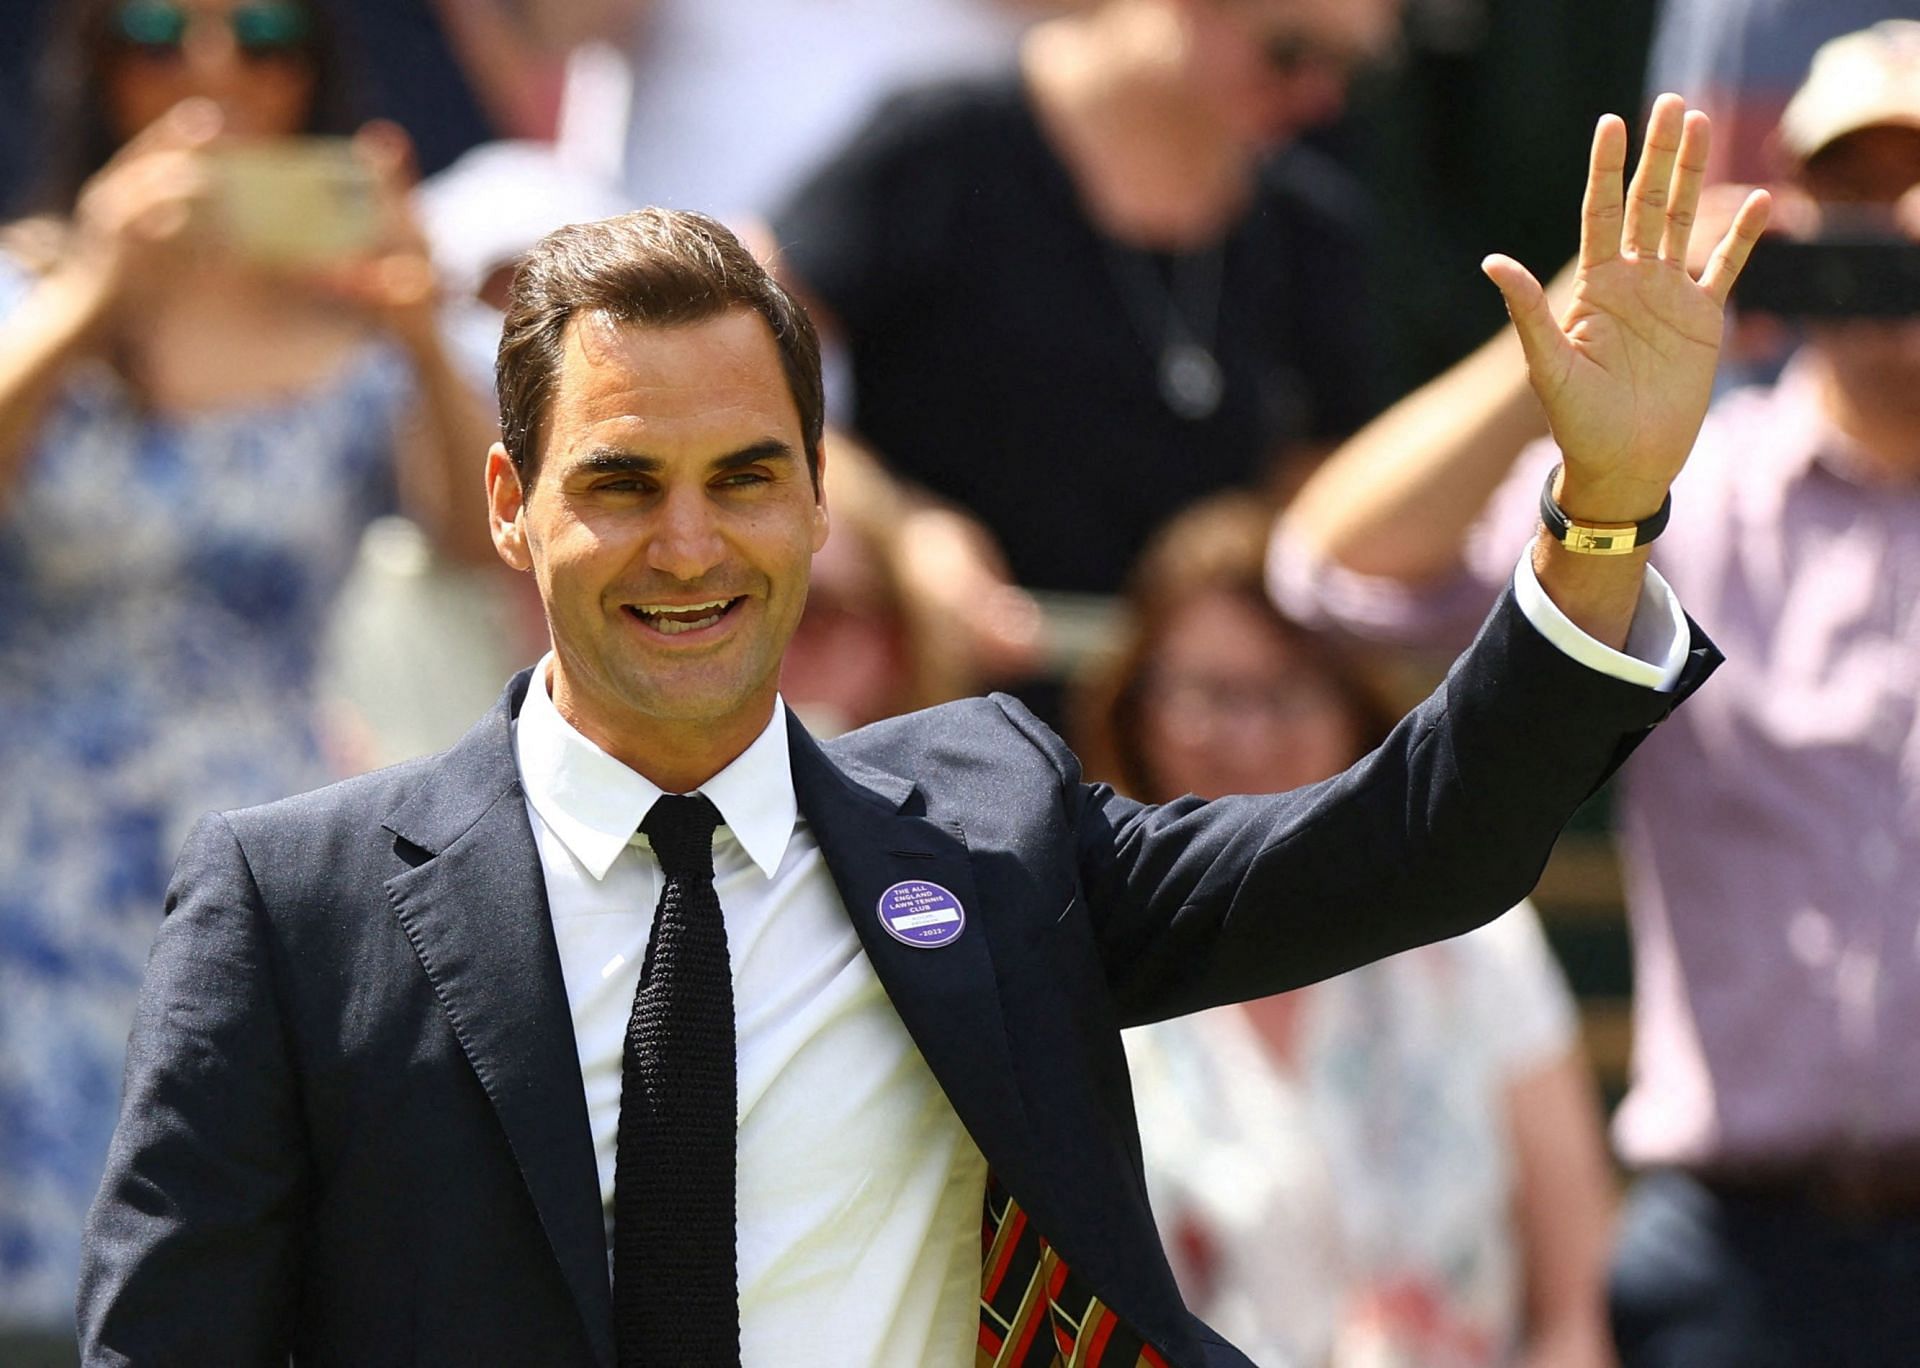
<point>1859,80</point>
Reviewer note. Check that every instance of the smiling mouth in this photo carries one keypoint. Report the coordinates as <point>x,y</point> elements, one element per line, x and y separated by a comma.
<point>672,619</point>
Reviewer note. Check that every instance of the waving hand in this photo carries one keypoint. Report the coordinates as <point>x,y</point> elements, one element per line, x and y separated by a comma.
<point>1626,372</point>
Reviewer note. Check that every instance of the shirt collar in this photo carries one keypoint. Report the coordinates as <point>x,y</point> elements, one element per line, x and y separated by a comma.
<point>594,804</point>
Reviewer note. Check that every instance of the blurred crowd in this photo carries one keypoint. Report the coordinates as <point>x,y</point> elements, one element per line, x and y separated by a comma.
<point>1165,394</point>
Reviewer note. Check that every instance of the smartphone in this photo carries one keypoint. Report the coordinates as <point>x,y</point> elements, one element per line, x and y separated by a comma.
<point>1856,277</point>
<point>296,201</point>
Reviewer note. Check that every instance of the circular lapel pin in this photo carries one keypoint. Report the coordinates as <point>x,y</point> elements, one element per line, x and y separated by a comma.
<point>921,914</point>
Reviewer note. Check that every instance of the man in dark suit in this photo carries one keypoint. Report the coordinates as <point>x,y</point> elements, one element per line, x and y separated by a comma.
<point>418,1054</point>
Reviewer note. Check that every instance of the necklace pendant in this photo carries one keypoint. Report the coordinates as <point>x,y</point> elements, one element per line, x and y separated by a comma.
<point>1190,380</point>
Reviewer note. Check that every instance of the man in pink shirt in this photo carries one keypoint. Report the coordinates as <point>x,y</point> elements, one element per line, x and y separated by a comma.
<point>1771,834</point>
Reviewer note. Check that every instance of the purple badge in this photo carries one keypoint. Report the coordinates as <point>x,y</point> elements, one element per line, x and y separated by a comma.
<point>921,914</point>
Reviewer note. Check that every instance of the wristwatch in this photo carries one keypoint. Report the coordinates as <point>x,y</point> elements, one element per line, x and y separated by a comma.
<point>1588,540</point>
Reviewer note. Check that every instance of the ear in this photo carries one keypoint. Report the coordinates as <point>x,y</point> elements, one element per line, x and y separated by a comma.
<point>506,506</point>
<point>820,527</point>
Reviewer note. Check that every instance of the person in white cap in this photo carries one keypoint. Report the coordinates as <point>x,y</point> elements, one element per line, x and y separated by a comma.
<point>1771,836</point>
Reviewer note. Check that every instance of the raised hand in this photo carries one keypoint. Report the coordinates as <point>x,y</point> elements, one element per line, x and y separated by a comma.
<point>394,284</point>
<point>1626,372</point>
<point>141,210</point>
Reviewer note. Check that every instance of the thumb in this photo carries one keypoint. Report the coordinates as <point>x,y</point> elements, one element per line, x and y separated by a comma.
<point>1540,335</point>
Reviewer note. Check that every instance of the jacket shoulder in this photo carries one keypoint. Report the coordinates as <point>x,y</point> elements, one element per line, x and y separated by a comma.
<point>314,848</point>
<point>347,802</point>
<point>994,729</point>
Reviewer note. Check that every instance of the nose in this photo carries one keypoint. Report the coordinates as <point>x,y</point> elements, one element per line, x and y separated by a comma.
<point>211,53</point>
<point>686,541</point>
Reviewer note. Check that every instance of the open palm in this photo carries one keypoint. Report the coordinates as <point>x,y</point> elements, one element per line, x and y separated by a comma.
<point>1626,372</point>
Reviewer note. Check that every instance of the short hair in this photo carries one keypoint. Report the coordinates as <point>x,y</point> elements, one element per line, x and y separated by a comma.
<point>653,268</point>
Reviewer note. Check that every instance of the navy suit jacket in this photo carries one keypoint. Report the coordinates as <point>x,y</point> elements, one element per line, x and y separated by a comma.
<point>354,1130</point>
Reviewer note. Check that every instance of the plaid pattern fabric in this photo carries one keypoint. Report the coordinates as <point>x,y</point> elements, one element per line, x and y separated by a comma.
<point>1034,1313</point>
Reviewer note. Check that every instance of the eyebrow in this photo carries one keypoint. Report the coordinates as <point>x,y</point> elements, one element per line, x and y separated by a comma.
<point>613,461</point>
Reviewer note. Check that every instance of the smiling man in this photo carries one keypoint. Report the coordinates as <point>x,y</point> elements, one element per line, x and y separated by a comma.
<point>670,524</point>
<point>639,979</point>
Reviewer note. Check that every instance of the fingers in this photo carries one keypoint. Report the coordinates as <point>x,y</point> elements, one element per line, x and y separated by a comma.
<point>151,199</point>
<point>1600,209</point>
<point>1689,173</point>
<point>163,205</point>
<point>189,125</point>
<point>1541,338</point>
<point>384,148</point>
<point>1647,197</point>
<point>1724,266</point>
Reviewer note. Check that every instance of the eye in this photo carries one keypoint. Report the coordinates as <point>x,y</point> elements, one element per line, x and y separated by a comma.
<point>741,479</point>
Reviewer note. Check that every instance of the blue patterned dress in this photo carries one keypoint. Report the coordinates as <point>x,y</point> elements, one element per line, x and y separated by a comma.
<point>164,583</point>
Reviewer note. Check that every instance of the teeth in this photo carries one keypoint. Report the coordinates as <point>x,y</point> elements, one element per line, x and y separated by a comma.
<point>669,618</point>
<point>654,609</point>
<point>673,627</point>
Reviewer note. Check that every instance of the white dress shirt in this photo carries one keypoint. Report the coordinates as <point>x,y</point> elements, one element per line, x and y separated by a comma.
<point>859,1190</point>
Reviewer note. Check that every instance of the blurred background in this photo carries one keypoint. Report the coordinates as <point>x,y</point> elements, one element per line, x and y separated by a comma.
<point>1085,270</point>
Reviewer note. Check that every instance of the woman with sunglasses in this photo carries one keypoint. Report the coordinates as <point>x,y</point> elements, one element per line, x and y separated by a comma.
<point>1398,1168</point>
<point>192,435</point>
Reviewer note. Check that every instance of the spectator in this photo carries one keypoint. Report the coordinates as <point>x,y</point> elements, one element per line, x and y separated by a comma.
<point>1772,839</point>
<point>1400,1166</point>
<point>1740,60</point>
<point>1078,296</point>
<point>190,442</point>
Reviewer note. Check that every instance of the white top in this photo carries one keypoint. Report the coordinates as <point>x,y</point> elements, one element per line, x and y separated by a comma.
<point>1356,1206</point>
<point>859,1190</point>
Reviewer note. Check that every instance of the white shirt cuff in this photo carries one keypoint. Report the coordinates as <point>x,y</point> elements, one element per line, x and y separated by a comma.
<point>1657,642</point>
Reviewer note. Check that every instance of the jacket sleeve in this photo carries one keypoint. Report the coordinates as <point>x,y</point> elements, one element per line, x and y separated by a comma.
<point>190,1247</point>
<point>1441,829</point>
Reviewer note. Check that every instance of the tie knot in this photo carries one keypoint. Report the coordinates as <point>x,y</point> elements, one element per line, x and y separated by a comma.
<point>680,828</point>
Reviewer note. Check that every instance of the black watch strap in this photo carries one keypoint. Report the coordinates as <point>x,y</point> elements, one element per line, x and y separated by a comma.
<point>1587,540</point>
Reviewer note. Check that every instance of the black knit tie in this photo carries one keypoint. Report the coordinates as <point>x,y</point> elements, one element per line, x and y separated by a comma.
<point>675,1297</point>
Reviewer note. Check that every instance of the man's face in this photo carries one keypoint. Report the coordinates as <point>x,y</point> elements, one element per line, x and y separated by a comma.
<point>1860,181</point>
<point>669,527</point>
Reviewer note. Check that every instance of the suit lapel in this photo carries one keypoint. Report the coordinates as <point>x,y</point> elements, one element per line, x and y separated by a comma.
<point>476,914</point>
<point>948,996</point>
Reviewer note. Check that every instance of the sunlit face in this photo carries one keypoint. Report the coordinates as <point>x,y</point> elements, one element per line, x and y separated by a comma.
<point>669,527</point>
<point>1272,69</point>
<point>1229,705</point>
<point>247,56</point>
<point>1858,179</point>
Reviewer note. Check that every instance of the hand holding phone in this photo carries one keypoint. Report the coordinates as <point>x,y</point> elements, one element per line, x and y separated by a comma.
<point>138,215</point>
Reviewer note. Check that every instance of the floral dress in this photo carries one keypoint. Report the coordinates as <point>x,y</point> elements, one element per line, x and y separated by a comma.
<point>164,587</point>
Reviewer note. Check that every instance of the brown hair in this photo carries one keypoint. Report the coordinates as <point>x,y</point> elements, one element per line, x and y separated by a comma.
<point>1218,545</point>
<point>655,268</point>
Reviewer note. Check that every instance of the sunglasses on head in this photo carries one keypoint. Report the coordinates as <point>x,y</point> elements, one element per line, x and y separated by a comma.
<point>159,28</point>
